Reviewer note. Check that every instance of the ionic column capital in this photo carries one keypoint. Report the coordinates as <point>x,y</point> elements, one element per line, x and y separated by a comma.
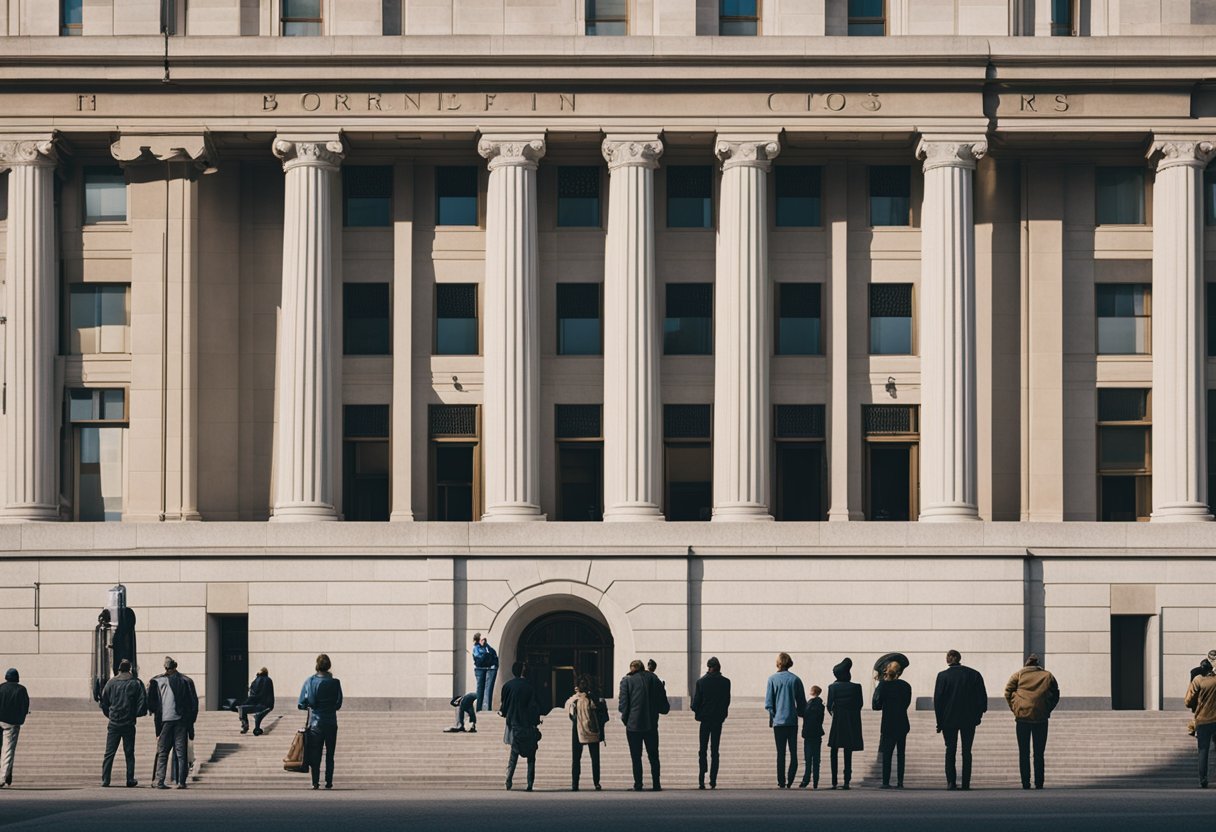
<point>747,152</point>
<point>512,150</point>
<point>141,148</point>
<point>29,150</point>
<point>632,151</point>
<point>321,152</point>
<point>951,153</point>
<point>1170,153</point>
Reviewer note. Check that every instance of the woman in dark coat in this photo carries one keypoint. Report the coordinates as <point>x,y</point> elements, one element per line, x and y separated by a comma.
<point>893,696</point>
<point>844,704</point>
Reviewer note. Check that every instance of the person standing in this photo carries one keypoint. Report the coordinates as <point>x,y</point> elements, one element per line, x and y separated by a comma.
<point>485,669</point>
<point>1032,694</point>
<point>893,696</point>
<point>259,702</point>
<point>321,696</point>
<point>1204,667</point>
<point>465,706</point>
<point>640,700</point>
<point>1201,698</point>
<point>784,699</point>
<point>586,710</point>
<point>960,701</point>
<point>710,705</point>
<point>844,704</point>
<point>812,737</point>
<point>123,701</point>
<point>519,708</point>
<point>14,707</point>
<point>173,703</point>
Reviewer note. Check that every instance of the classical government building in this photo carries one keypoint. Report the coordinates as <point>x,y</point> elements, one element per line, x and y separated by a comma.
<point>608,330</point>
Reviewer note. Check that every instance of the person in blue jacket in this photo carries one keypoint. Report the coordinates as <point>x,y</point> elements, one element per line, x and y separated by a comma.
<point>784,699</point>
<point>321,696</point>
<point>485,668</point>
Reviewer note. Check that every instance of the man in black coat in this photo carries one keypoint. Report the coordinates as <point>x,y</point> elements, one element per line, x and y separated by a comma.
<point>259,702</point>
<point>123,700</point>
<point>14,706</point>
<point>173,703</point>
<point>640,700</point>
<point>710,703</point>
<point>517,704</point>
<point>959,702</point>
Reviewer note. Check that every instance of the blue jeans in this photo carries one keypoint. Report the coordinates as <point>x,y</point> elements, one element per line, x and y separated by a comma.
<point>486,676</point>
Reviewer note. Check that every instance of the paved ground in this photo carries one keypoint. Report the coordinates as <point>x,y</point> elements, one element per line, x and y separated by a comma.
<point>609,811</point>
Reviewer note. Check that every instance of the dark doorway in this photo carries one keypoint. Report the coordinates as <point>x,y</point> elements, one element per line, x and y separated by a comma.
<point>889,481</point>
<point>580,471</point>
<point>799,481</point>
<point>1128,639</point>
<point>561,646</point>
<point>234,659</point>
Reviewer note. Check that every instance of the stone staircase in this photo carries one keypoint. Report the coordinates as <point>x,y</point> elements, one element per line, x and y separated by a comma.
<point>408,750</point>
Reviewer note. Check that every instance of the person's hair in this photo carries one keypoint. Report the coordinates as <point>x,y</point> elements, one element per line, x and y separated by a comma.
<point>635,666</point>
<point>263,672</point>
<point>476,637</point>
<point>652,665</point>
<point>124,666</point>
<point>784,662</point>
<point>585,684</point>
<point>953,657</point>
<point>323,663</point>
<point>714,665</point>
<point>1205,666</point>
<point>816,690</point>
<point>517,669</point>
<point>1032,660</point>
<point>892,671</point>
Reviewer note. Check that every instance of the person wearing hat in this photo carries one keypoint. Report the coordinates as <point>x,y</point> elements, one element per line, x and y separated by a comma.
<point>1201,699</point>
<point>123,700</point>
<point>14,706</point>
<point>1032,694</point>
<point>710,704</point>
<point>173,703</point>
<point>960,701</point>
<point>259,702</point>
<point>845,701</point>
<point>465,706</point>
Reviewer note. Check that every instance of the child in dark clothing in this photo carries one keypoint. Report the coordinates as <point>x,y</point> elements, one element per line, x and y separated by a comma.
<point>812,737</point>
<point>465,706</point>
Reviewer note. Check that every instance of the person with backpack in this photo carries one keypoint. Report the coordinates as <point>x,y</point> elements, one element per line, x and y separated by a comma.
<point>123,701</point>
<point>588,713</point>
<point>321,696</point>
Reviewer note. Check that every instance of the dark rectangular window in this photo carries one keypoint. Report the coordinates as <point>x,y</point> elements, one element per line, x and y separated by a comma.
<point>690,196</point>
<point>688,461</point>
<point>367,192</point>
<point>1124,318</point>
<point>1062,22</point>
<point>798,319</point>
<point>1124,455</point>
<point>798,461</point>
<point>1209,196</point>
<point>454,462</point>
<point>890,195</point>
<point>3,196</point>
<point>365,319</point>
<point>98,318</point>
<point>738,17</point>
<point>892,440</point>
<point>1210,300</point>
<point>456,319</point>
<point>607,17</point>
<point>890,319</point>
<point>71,17</point>
<point>580,461</point>
<point>95,435</point>
<point>456,195</point>
<point>688,327</point>
<point>578,319</point>
<point>798,196</point>
<point>390,17</point>
<point>1211,445</point>
<point>867,18</point>
<point>366,462</point>
<point>105,195</point>
<point>1120,194</point>
<point>578,196</point>
<point>301,17</point>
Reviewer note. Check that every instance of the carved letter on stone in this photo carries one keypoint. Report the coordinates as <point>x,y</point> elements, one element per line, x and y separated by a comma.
<point>270,102</point>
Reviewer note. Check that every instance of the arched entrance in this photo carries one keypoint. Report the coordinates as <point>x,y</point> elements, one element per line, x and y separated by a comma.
<point>558,648</point>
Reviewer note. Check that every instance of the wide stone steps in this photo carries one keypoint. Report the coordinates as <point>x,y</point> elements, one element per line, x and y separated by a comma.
<point>409,750</point>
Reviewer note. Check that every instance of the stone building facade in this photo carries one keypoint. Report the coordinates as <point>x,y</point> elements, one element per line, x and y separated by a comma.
<point>608,330</point>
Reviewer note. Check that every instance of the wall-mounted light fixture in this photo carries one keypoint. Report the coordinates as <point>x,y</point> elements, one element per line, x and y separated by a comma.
<point>890,388</point>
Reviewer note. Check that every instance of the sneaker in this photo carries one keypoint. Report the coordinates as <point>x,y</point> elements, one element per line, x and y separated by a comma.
<point>473,730</point>
<point>132,784</point>
<point>453,729</point>
<point>244,729</point>
<point>257,732</point>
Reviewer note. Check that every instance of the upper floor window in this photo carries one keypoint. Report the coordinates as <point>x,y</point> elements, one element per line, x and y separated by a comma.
<point>365,319</point>
<point>578,319</point>
<point>607,17</point>
<point>301,17</point>
<point>891,319</point>
<point>456,319</point>
<point>690,196</point>
<point>798,196</point>
<point>890,195</point>
<point>1211,310</point>
<point>1063,18</point>
<point>367,196</point>
<point>739,17</point>
<point>688,328</point>
<point>578,196</point>
<point>1124,455</point>
<point>1209,195</point>
<point>867,17</point>
<point>93,453</point>
<point>173,17</point>
<point>390,17</point>
<point>798,319</point>
<point>71,17</point>
<point>3,196</point>
<point>456,195</point>
<point>105,195</point>
<point>98,318</point>
<point>1124,318</point>
<point>1120,195</point>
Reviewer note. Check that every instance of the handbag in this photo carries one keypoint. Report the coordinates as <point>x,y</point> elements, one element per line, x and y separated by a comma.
<point>295,759</point>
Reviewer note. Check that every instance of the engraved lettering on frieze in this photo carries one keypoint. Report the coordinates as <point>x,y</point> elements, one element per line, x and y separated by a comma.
<point>86,102</point>
<point>490,100</point>
<point>564,100</point>
<point>1027,104</point>
<point>270,102</point>
<point>449,101</point>
<point>835,102</point>
<point>1061,104</point>
<point>374,102</point>
<point>310,101</point>
<point>413,101</point>
<point>342,101</point>
<point>832,102</point>
<point>872,103</point>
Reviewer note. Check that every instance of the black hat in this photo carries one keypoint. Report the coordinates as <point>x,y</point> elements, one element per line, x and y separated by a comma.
<point>843,670</point>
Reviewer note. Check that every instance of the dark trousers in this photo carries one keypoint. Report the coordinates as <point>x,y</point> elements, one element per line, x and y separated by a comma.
<point>1028,732</point>
<point>649,739</point>
<point>259,713</point>
<point>951,736</point>
<point>786,737</point>
<point>710,740</point>
<point>893,746</point>
<point>576,761</point>
<point>321,737</point>
<point>811,747</point>
<point>848,765</point>
<point>462,711</point>
<point>514,758</point>
<point>173,737</point>
<point>114,733</point>
<point>1204,734</point>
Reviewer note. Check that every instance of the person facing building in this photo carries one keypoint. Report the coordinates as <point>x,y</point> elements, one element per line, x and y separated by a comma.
<point>321,696</point>
<point>1201,699</point>
<point>518,706</point>
<point>123,701</point>
<point>1032,694</point>
<point>844,704</point>
<point>893,696</point>
<point>711,706</point>
<point>812,737</point>
<point>173,703</point>
<point>785,699</point>
<point>641,699</point>
<point>14,707</point>
<point>960,701</point>
<point>588,714</point>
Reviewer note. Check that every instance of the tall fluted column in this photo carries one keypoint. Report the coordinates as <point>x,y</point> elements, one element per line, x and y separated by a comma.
<point>1179,390</point>
<point>949,474</point>
<point>511,404</point>
<point>632,420</point>
<point>743,335</point>
<point>304,481</point>
<point>29,351</point>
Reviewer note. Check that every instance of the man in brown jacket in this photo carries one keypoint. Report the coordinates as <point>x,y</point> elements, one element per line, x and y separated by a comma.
<point>1201,698</point>
<point>1032,694</point>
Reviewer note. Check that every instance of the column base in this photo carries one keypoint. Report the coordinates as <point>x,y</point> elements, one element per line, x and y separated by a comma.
<point>401,517</point>
<point>845,516</point>
<point>741,513</point>
<point>1181,513</point>
<point>30,513</point>
<point>633,513</point>
<point>303,513</point>
<point>949,513</point>
<point>191,516</point>
<point>512,513</point>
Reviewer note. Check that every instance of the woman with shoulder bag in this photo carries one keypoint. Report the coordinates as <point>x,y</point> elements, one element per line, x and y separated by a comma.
<point>587,729</point>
